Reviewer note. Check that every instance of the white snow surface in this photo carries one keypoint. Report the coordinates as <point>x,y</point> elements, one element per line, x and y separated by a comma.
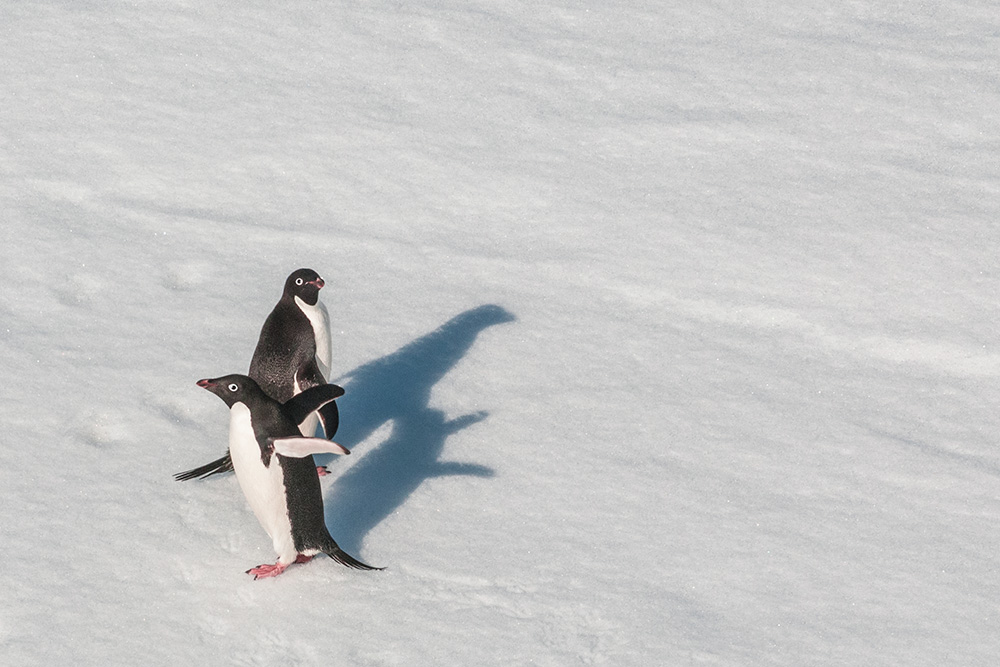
<point>668,330</point>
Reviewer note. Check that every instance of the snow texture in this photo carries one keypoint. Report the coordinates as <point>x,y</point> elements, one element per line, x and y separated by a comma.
<point>668,329</point>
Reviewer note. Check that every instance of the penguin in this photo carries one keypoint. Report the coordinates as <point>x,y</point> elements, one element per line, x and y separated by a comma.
<point>273,464</point>
<point>292,354</point>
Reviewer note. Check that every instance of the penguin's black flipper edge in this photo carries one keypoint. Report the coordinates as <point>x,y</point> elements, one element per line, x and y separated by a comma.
<point>218,466</point>
<point>329,415</point>
<point>309,376</point>
<point>301,405</point>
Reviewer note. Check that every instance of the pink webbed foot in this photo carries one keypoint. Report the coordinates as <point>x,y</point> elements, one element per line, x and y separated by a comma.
<point>322,471</point>
<point>265,571</point>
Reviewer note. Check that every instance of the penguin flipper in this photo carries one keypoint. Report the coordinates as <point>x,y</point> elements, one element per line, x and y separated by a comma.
<point>329,415</point>
<point>225,464</point>
<point>311,375</point>
<point>301,405</point>
<point>300,447</point>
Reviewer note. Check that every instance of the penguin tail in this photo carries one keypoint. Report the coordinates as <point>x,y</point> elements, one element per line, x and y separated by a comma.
<point>225,464</point>
<point>332,550</point>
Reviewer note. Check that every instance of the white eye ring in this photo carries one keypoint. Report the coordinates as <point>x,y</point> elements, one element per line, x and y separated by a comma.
<point>233,387</point>
<point>299,281</point>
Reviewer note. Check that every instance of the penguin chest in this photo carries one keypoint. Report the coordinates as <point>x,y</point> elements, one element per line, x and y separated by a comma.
<point>264,487</point>
<point>319,320</point>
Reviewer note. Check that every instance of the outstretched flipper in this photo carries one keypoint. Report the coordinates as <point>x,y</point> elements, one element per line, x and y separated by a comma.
<point>218,466</point>
<point>303,404</point>
<point>311,375</point>
<point>300,447</point>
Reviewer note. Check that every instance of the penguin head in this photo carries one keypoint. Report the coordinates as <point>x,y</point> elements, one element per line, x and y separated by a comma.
<point>305,284</point>
<point>232,389</point>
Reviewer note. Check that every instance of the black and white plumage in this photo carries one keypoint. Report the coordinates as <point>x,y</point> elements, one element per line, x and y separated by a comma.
<point>292,355</point>
<point>273,464</point>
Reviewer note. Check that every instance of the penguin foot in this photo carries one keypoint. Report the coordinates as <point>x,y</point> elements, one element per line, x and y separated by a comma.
<point>265,571</point>
<point>322,471</point>
<point>302,558</point>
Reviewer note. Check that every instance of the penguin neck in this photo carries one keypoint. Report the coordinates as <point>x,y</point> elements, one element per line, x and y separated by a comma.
<point>303,306</point>
<point>302,302</point>
<point>240,423</point>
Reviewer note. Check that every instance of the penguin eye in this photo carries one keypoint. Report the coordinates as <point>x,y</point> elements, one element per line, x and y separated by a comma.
<point>299,281</point>
<point>233,387</point>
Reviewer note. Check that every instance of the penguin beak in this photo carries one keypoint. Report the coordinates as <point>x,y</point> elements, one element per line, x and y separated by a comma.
<point>205,384</point>
<point>318,283</point>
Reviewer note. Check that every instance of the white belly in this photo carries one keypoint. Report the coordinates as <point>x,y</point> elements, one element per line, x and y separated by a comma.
<point>320,321</point>
<point>264,488</point>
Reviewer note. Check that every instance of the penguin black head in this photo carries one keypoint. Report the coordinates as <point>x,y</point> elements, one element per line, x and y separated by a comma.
<point>232,389</point>
<point>305,284</point>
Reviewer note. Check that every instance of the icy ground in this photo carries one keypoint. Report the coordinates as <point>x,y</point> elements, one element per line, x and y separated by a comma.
<point>668,329</point>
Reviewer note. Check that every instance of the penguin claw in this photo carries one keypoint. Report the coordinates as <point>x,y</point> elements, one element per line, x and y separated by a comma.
<point>322,471</point>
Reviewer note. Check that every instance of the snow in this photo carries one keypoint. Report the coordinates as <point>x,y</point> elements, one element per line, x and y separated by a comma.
<point>668,330</point>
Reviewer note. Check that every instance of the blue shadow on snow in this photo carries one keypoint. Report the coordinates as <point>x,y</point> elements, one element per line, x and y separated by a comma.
<point>397,387</point>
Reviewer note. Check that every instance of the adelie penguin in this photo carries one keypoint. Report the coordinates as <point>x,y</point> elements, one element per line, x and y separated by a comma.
<point>292,355</point>
<point>273,464</point>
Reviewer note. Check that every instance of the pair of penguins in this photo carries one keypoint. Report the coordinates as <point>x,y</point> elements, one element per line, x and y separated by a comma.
<point>272,418</point>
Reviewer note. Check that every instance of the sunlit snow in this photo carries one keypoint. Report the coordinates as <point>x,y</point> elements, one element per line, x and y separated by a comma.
<point>668,330</point>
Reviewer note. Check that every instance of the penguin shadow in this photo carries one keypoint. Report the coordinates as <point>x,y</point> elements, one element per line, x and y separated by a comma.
<point>397,388</point>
